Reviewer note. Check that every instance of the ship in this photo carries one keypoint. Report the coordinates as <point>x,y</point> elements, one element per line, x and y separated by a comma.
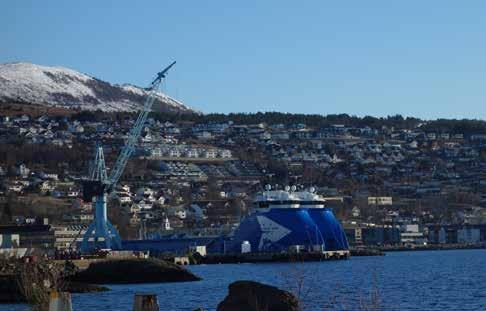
<point>282,221</point>
<point>289,220</point>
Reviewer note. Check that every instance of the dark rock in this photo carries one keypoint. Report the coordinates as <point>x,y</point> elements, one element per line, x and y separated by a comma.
<point>126,271</point>
<point>253,296</point>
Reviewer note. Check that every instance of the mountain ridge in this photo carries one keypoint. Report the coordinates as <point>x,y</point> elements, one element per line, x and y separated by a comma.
<point>67,88</point>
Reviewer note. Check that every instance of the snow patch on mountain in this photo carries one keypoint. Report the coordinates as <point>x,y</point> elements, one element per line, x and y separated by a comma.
<point>63,87</point>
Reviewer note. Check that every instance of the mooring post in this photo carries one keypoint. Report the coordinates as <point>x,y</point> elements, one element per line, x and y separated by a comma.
<point>146,302</point>
<point>60,301</point>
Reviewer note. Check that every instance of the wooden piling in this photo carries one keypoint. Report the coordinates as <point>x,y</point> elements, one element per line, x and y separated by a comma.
<point>146,302</point>
<point>60,301</point>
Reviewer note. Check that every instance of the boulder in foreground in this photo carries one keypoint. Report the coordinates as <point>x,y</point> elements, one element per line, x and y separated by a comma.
<point>253,296</point>
<point>127,271</point>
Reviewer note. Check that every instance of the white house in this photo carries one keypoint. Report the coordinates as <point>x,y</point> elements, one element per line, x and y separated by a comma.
<point>161,200</point>
<point>124,199</point>
<point>178,211</point>
<point>174,153</point>
<point>23,170</point>
<point>134,208</point>
<point>204,135</point>
<point>225,154</point>
<point>145,205</point>
<point>166,224</point>
<point>210,154</point>
<point>51,176</point>
<point>192,153</point>
<point>156,152</point>
<point>73,193</point>
<point>380,201</point>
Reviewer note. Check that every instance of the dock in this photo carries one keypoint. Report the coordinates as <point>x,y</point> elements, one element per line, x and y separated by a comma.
<point>273,257</point>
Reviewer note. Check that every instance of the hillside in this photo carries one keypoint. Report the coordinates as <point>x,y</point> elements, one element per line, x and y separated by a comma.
<point>65,88</point>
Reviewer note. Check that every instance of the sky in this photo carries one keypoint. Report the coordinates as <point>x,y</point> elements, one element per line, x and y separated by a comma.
<point>416,58</point>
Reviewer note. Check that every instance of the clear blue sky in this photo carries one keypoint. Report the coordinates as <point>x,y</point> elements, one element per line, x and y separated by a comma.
<point>416,58</point>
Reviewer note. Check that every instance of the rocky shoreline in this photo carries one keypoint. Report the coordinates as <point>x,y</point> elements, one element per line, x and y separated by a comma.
<point>10,291</point>
<point>128,271</point>
<point>75,280</point>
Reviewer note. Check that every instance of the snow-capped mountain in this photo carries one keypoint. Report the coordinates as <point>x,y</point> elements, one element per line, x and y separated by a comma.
<point>63,87</point>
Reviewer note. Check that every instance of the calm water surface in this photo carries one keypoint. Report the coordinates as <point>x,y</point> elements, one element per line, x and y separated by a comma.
<point>427,280</point>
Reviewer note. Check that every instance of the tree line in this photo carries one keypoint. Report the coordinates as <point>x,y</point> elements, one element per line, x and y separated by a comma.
<point>452,126</point>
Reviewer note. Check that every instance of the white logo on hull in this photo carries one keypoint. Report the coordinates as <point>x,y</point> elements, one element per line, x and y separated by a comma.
<point>271,231</point>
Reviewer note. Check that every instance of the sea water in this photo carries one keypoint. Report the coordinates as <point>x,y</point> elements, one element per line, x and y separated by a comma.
<point>415,280</point>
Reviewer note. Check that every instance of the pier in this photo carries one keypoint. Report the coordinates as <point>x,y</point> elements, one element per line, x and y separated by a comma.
<point>273,257</point>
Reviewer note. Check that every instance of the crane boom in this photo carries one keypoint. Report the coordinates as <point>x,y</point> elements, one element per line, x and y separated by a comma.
<point>161,75</point>
<point>135,132</point>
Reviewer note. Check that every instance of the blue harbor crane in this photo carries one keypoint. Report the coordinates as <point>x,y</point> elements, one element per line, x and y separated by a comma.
<point>101,234</point>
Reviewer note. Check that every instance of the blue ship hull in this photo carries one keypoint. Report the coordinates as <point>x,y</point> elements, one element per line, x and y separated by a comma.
<point>278,229</point>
